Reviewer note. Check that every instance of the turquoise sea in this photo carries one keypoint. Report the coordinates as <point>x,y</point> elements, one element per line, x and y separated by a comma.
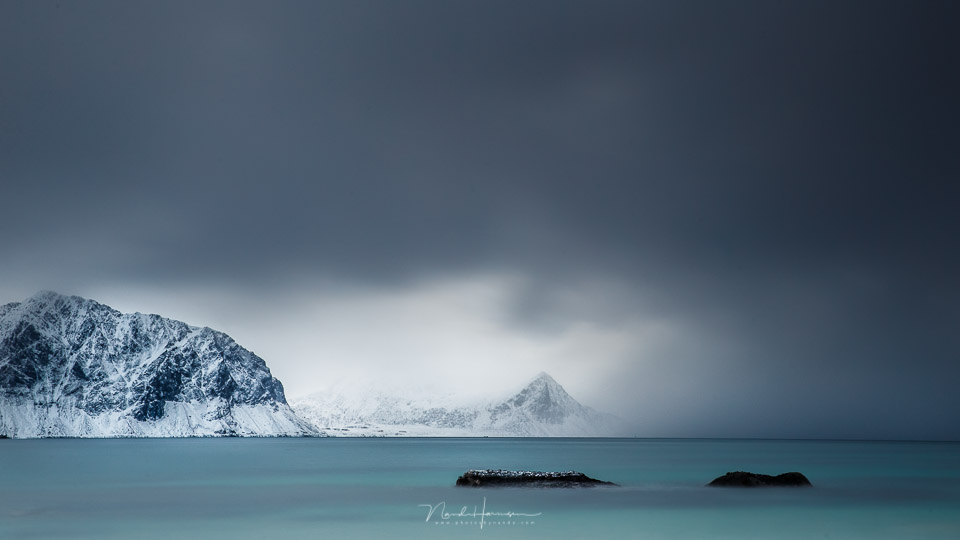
<point>386,488</point>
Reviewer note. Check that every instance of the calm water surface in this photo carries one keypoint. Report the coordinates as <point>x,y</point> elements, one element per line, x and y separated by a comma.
<point>384,488</point>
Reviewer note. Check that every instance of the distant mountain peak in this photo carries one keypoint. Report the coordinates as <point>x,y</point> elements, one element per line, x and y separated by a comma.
<point>543,400</point>
<point>545,377</point>
<point>547,387</point>
<point>541,408</point>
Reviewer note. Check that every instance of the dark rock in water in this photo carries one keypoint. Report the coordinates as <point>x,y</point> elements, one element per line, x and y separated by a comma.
<point>748,479</point>
<point>3,436</point>
<point>504,478</point>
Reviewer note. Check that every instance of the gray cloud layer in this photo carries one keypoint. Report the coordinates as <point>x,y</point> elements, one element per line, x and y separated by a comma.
<point>778,179</point>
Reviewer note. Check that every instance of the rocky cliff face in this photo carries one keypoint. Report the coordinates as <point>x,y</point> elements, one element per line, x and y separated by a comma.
<point>70,367</point>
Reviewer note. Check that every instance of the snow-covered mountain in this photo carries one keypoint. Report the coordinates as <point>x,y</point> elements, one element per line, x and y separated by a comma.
<point>70,367</point>
<point>542,408</point>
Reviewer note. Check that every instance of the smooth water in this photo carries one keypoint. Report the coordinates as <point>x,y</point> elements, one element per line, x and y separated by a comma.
<point>374,488</point>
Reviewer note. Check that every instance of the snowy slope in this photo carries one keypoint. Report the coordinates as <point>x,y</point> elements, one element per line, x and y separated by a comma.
<point>70,367</point>
<point>542,408</point>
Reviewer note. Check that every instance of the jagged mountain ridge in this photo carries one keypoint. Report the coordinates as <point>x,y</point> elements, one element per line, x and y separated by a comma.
<point>71,367</point>
<point>542,408</point>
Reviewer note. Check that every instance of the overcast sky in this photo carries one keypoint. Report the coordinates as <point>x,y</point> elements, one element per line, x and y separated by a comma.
<point>711,218</point>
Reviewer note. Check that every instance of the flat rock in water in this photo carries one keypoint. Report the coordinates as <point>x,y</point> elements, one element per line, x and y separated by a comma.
<point>505,478</point>
<point>748,479</point>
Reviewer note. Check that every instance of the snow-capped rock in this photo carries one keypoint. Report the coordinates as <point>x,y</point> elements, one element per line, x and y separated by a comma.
<point>541,408</point>
<point>71,367</point>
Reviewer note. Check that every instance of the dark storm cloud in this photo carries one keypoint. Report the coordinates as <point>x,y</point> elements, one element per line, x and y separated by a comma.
<point>783,176</point>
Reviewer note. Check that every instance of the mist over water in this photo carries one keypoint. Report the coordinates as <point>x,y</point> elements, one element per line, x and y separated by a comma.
<point>370,488</point>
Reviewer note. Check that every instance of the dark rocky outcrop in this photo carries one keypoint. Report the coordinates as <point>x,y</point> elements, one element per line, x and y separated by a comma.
<point>748,479</point>
<point>505,478</point>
